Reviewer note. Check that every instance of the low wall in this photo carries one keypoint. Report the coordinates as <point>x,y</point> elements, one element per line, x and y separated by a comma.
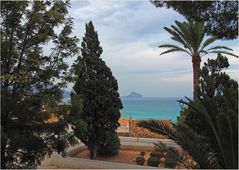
<point>75,150</point>
<point>80,163</point>
<point>138,141</point>
<point>129,127</point>
<point>57,161</point>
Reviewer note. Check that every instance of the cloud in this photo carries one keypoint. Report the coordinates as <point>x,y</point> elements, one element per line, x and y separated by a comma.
<point>94,9</point>
<point>130,32</point>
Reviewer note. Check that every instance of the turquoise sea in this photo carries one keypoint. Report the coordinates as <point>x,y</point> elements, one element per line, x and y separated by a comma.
<point>160,108</point>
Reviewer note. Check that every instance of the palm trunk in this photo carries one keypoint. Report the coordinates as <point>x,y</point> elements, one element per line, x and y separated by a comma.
<point>196,60</point>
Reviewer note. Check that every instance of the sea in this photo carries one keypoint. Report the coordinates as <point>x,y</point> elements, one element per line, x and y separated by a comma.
<point>148,108</point>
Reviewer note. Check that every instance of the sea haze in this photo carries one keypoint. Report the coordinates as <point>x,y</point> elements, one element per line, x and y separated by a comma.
<point>157,108</point>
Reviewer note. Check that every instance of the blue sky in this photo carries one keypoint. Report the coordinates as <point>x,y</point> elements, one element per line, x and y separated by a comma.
<point>130,32</point>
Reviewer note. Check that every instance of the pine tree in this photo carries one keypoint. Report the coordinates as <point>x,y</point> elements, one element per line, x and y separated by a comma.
<point>29,92</point>
<point>220,17</point>
<point>97,88</point>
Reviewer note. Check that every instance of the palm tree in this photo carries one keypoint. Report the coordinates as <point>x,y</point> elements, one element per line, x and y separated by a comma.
<point>188,139</point>
<point>191,36</point>
<point>222,123</point>
<point>217,114</point>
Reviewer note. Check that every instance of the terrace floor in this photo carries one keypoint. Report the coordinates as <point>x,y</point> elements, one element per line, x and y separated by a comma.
<point>124,156</point>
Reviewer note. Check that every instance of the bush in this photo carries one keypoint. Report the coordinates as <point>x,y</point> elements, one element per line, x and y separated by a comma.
<point>156,154</point>
<point>170,163</point>
<point>153,161</point>
<point>111,145</point>
<point>140,160</point>
<point>161,150</point>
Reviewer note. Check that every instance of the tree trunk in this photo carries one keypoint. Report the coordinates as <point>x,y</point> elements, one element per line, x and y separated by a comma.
<point>196,60</point>
<point>93,152</point>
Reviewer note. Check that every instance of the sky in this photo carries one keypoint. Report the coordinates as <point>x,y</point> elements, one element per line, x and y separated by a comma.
<point>130,33</point>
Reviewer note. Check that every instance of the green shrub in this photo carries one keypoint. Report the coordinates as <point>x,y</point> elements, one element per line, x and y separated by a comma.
<point>161,150</point>
<point>156,154</point>
<point>140,160</point>
<point>153,161</point>
<point>111,145</point>
<point>170,163</point>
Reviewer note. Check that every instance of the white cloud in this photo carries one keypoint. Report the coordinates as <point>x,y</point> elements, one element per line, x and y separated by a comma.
<point>130,32</point>
<point>94,9</point>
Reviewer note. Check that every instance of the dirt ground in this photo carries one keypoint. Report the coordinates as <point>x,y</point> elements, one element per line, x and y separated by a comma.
<point>125,156</point>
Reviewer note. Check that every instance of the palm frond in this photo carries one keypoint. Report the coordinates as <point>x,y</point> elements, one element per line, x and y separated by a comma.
<point>174,47</point>
<point>174,50</point>
<point>219,47</point>
<point>224,52</point>
<point>158,127</point>
<point>232,103</point>
<point>196,146</point>
<point>173,155</point>
<point>191,34</point>
<point>185,46</point>
<point>176,36</point>
<point>185,29</point>
<point>225,130</point>
<point>203,52</point>
<point>181,38</point>
<point>207,42</point>
<point>169,46</point>
<point>199,31</point>
<point>187,138</point>
<point>207,114</point>
<point>222,128</point>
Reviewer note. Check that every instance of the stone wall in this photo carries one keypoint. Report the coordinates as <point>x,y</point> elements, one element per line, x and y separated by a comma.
<point>136,131</point>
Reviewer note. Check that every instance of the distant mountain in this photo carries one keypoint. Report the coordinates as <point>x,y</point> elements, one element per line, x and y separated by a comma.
<point>133,95</point>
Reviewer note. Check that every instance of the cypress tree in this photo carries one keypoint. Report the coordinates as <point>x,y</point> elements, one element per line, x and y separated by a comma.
<point>97,88</point>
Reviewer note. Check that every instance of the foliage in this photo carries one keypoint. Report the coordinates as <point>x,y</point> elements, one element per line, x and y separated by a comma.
<point>78,125</point>
<point>213,81</point>
<point>172,156</point>
<point>30,94</point>
<point>184,136</point>
<point>161,151</point>
<point>223,127</point>
<point>218,88</point>
<point>220,17</point>
<point>111,145</point>
<point>140,159</point>
<point>212,84</point>
<point>97,88</point>
<point>153,161</point>
<point>217,148</point>
<point>156,154</point>
<point>191,36</point>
